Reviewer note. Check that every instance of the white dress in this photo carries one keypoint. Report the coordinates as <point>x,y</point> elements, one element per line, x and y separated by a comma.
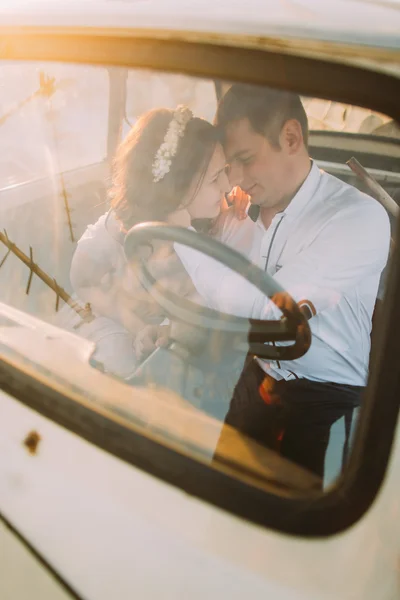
<point>99,261</point>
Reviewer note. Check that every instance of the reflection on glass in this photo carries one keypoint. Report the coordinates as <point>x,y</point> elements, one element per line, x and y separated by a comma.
<point>86,166</point>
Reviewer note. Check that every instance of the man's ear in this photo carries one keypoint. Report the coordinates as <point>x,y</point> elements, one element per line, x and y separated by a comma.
<point>292,136</point>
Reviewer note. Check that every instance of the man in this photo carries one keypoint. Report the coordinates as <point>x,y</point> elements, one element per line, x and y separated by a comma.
<point>326,243</point>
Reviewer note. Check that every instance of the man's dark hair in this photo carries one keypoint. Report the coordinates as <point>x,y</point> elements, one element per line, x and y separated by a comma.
<point>267,110</point>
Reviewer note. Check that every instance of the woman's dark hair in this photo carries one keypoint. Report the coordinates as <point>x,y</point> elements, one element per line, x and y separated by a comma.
<point>267,110</point>
<point>135,197</point>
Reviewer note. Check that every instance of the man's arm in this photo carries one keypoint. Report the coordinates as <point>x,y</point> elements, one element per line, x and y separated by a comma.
<point>352,246</point>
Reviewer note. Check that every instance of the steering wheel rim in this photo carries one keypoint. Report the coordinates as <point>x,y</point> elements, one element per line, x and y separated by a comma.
<point>293,326</point>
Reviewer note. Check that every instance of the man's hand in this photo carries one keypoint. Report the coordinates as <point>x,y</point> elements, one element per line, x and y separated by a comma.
<point>240,201</point>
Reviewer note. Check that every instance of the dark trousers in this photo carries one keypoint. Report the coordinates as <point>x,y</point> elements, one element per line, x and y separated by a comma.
<point>292,417</point>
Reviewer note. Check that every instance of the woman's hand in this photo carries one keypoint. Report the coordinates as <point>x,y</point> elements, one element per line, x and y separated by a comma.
<point>180,217</point>
<point>145,342</point>
<point>240,201</point>
<point>150,338</point>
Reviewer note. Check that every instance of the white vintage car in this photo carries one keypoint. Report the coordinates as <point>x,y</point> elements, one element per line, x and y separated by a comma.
<point>109,486</point>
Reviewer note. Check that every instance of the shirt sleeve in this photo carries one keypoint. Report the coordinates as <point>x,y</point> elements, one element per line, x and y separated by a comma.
<point>352,246</point>
<point>88,268</point>
<point>94,256</point>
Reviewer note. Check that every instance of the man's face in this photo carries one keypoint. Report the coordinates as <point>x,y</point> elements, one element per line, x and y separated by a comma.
<point>260,169</point>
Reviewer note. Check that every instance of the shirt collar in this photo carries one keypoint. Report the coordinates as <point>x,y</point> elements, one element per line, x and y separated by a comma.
<point>302,197</point>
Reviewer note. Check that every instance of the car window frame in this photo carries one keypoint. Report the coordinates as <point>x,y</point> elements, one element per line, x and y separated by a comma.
<point>345,503</point>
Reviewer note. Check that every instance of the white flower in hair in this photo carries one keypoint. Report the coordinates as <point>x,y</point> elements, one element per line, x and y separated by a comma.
<point>167,150</point>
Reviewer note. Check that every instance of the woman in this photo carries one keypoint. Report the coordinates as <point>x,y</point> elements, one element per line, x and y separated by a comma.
<point>170,167</point>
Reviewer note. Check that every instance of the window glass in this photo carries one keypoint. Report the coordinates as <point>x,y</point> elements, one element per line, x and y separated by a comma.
<point>269,386</point>
<point>147,90</point>
<point>327,115</point>
<point>53,118</point>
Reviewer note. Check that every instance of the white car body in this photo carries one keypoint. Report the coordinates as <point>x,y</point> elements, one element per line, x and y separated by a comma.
<point>110,530</point>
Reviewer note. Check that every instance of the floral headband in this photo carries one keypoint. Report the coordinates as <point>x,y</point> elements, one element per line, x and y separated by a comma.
<point>167,150</point>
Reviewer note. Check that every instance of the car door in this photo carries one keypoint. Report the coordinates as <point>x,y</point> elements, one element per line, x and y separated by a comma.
<point>113,487</point>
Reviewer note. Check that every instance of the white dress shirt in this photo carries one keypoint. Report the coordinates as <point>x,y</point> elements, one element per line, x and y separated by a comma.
<point>328,249</point>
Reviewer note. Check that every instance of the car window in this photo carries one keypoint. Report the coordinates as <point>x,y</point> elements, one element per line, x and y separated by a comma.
<point>155,329</point>
<point>335,116</point>
<point>147,90</point>
<point>54,118</point>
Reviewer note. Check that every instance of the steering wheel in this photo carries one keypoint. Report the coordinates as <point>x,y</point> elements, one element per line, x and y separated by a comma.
<point>292,327</point>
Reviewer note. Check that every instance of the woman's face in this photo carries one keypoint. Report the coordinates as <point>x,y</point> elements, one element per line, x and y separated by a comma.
<point>207,202</point>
